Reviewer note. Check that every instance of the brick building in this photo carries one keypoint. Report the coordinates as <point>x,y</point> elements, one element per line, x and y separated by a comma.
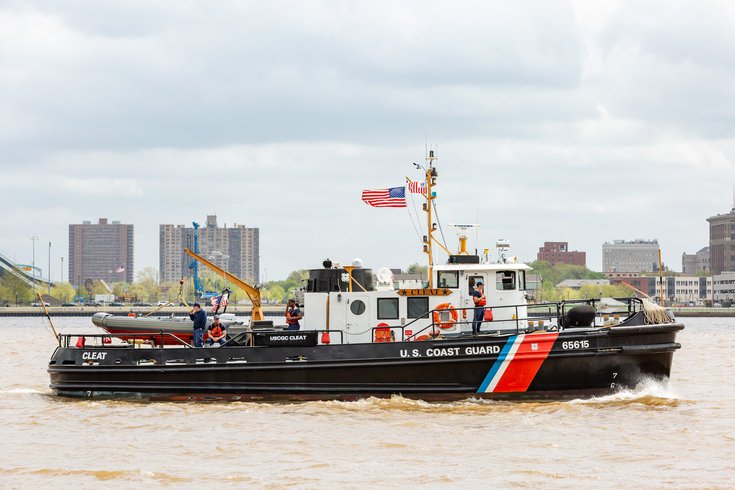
<point>558,253</point>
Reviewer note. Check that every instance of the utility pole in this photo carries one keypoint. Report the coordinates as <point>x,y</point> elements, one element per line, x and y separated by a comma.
<point>33,264</point>
<point>49,268</point>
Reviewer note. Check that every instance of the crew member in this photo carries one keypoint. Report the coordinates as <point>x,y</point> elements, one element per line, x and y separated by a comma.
<point>216,332</point>
<point>478,296</point>
<point>293,315</point>
<point>200,323</point>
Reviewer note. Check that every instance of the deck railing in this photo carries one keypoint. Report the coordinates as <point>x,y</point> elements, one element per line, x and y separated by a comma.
<point>541,316</point>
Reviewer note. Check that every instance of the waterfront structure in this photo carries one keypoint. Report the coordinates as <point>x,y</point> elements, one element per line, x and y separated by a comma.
<point>101,250</point>
<point>722,242</point>
<point>724,287</point>
<point>686,289</point>
<point>630,256</point>
<point>556,253</point>
<point>696,263</point>
<point>235,249</point>
<point>689,290</point>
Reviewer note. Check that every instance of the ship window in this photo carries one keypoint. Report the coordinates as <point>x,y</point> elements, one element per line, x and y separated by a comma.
<point>522,280</point>
<point>472,280</point>
<point>448,279</point>
<point>357,307</point>
<point>387,308</point>
<point>505,280</point>
<point>417,307</point>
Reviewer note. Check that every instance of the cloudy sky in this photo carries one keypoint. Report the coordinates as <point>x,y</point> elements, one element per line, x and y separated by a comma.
<point>555,121</point>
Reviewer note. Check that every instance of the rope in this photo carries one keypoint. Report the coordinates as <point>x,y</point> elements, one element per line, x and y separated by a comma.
<point>413,203</point>
<point>654,313</point>
<point>181,293</point>
<point>438,222</point>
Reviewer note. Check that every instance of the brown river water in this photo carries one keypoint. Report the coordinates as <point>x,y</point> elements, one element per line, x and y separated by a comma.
<point>675,435</point>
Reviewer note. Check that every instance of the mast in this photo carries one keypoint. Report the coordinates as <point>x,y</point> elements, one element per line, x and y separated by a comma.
<point>431,175</point>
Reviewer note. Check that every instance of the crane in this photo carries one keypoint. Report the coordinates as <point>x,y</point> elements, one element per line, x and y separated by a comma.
<point>198,288</point>
<point>252,291</point>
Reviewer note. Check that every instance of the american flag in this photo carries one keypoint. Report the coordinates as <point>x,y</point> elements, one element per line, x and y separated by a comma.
<point>395,197</point>
<point>417,187</point>
<point>217,303</point>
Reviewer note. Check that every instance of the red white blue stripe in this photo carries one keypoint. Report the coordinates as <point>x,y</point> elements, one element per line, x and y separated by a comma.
<point>518,363</point>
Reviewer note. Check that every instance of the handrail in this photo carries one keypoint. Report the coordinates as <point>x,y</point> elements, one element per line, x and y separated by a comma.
<point>553,311</point>
<point>560,307</point>
<point>68,336</point>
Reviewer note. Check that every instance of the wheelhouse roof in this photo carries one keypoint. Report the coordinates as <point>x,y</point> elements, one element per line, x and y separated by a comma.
<point>493,267</point>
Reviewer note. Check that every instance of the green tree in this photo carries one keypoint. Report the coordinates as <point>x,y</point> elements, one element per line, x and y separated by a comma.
<point>63,291</point>
<point>146,287</point>
<point>417,269</point>
<point>99,288</point>
<point>275,293</point>
<point>12,287</point>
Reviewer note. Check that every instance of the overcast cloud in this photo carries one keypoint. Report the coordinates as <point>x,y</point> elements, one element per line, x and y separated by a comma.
<point>555,121</point>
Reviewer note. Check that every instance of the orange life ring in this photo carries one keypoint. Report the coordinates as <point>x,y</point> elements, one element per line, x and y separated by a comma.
<point>452,311</point>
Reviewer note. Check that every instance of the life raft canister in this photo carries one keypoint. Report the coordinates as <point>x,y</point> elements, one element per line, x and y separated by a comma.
<point>452,311</point>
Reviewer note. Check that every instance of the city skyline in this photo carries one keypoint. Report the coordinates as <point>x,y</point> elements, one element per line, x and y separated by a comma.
<point>187,239</point>
<point>576,121</point>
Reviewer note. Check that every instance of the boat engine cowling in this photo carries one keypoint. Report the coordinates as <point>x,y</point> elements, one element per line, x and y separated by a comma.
<point>579,316</point>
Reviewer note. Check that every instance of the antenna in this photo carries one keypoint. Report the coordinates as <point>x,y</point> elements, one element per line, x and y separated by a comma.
<point>503,246</point>
<point>463,232</point>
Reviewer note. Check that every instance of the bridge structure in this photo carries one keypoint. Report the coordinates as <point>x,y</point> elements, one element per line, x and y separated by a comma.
<point>7,266</point>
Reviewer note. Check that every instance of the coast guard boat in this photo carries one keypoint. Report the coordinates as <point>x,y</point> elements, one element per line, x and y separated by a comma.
<point>364,337</point>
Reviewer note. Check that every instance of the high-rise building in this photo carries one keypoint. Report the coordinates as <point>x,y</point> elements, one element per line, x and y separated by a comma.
<point>101,251</point>
<point>558,253</point>
<point>722,242</point>
<point>235,249</point>
<point>695,263</point>
<point>633,256</point>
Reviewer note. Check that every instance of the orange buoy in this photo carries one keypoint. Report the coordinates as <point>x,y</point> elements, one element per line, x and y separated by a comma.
<point>325,338</point>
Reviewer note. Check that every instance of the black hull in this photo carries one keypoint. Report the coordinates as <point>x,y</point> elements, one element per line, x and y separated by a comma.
<point>573,363</point>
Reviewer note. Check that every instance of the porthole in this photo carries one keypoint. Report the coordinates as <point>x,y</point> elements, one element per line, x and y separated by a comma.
<point>357,307</point>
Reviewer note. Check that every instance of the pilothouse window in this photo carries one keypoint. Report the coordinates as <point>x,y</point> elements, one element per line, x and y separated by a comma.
<point>505,280</point>
<point>387,308</point>
<point>417,307</point>
<point>448,279</point>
